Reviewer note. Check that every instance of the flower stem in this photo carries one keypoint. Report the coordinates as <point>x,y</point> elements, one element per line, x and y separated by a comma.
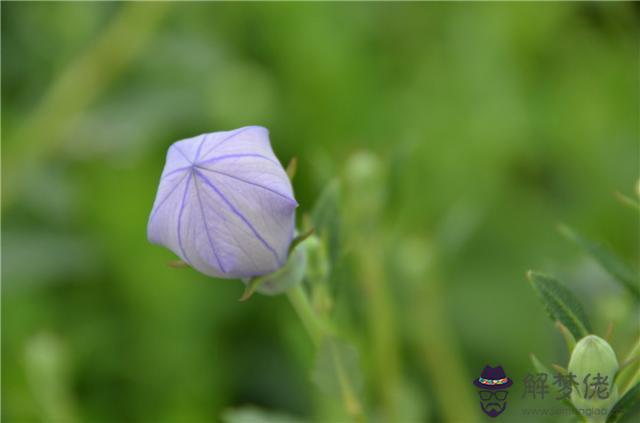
<point>318,332</point>
<point>381,324</point>
<point>302,306</point>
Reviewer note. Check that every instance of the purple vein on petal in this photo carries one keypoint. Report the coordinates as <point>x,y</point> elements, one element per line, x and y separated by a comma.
<point>161,203</point>
<point>206,228</point>
<point>184,196</point>
<point>182,154</point>
<point>235,156</point>
<point>180,169</point>
<point>204,138</point>
<point>266,188</point>
<point>236,132</point>
<point>237,213</point>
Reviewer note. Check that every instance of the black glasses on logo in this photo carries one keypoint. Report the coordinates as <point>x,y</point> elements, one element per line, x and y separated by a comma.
<point>499,395</point>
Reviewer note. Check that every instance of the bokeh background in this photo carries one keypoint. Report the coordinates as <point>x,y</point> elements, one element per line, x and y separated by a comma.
<point>478,128</point>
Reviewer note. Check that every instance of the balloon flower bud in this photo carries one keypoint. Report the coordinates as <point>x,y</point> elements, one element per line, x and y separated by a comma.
<point>225,204</point>
<point>594,365</point>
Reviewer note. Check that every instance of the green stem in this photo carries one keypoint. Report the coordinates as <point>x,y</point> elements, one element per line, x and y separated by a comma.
<point>441,356</point>
<point>302,306</point>
<point>319,331</point>
<point>381,322</point>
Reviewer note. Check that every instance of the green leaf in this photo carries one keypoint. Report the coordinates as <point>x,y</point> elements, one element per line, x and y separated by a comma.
<point>568,337</point>
<point>252,414</point>
<point>337,372</point>
<point>629,372</point>
<point>327,221</point>
<point>537,364</point>
<point>610,262</point>
<point>626,406</point>
<point>541,368</point>
<point>560,304</point>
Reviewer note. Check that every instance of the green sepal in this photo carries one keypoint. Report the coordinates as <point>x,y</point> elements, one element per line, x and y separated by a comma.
<point>278,282</point>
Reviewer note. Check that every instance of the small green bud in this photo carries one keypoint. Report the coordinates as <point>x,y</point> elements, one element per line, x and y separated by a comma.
<point>594,365</point>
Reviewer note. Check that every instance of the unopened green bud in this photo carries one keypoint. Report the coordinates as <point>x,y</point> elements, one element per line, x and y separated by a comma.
<point>594,365</point>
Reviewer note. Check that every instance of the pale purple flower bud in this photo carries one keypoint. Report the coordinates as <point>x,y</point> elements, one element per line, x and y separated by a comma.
<point>225,204</point>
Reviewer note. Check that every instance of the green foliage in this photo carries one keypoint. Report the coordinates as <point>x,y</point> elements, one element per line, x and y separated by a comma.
<point>251,414</point>
<point>327,221</point>
<point>560,304</point>
<point>608,260</point>
<point>626,407</point>
<point>493,120</point>
<point>337,372</point>
<point>629,369</point>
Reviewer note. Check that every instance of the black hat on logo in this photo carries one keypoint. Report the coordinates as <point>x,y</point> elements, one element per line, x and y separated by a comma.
<point>493,379</point>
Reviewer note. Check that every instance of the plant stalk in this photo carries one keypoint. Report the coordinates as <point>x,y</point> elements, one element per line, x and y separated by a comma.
<point>318,330</point>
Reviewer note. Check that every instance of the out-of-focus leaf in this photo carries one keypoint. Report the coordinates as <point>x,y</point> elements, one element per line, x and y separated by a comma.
<point>609,261</point>
<point>630,369</point>
<point>541,368</point>
<point>251,414</point>
<point>628,201</point>
<point>337,372</point>
<point>47,362</point>
<point>627,406</point>
<point>537,364</point>
<point>37,257</point>
<point>560,304</point>
<point>327,220</point>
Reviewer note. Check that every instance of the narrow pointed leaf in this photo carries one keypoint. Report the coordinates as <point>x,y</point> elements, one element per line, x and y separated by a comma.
<point>610,262</point>
<point>558,368</point>
<point>560,304</point>
<point>568,337</point>
<point>630,369</point>
<point>537,364</point>
<point>626,407</point>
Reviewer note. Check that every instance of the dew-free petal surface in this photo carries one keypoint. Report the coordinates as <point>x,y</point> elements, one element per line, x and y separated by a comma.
<point>225,204</point>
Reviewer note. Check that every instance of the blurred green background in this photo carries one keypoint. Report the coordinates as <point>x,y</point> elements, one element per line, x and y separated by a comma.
<point>485,124</point>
